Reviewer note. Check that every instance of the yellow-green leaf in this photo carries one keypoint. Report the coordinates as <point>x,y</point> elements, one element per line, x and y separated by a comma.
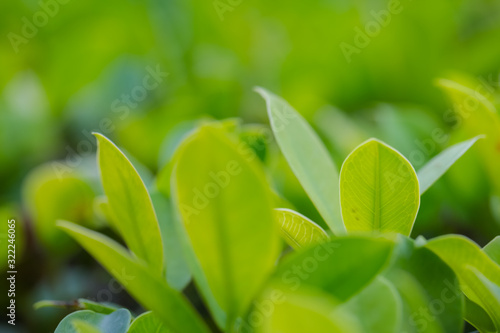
<point>130,204</point>
<point>225,204</point>
<point>379,190</point>
<point>297,230</point>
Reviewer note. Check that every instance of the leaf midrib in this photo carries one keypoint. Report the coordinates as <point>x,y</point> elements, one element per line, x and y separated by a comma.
<point>377,192</point>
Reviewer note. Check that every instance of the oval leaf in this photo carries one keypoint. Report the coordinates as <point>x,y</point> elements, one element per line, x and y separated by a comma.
<point>308,158</point>
<point>297,230</point>
<point>116,322</point>
<point>146,323</point>
<point>225,205</point>
<point>438,165</point>
<point>378,190</point>
<point>130,204</point>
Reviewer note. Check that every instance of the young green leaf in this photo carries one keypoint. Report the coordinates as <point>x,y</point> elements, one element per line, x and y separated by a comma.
<point>81,326</point>
<point>378,307</point>
<point>146,323</point>
<point>341,267</point>
<point>130,203</point>
<point>467,259</point>
<point>297,230</point>
<point>425,282</point>
<point>306,311</point>
<point>492,249</point>
<point>116,322</point>
<point>438,165</point>
<point>378,190</point>
<point>308,158</point>
<point>150,290</point>
<point>225,205</point>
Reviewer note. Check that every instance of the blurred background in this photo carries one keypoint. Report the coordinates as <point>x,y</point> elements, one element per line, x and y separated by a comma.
<point>145,72</point>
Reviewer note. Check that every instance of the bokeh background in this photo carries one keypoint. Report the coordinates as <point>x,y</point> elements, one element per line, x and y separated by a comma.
<point>143,72</point>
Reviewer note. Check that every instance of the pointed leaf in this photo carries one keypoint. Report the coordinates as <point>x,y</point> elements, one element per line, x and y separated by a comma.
<point>297,230</point>
<point>150,290</point>
<point>308,158</point>
<point>378,190</point>
<point>130,203</point>
<point>492,249</point>
<point>438,165</point>
<point>225,204</point>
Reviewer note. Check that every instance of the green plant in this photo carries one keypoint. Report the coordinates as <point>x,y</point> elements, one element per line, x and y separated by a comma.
<point>365,274</point>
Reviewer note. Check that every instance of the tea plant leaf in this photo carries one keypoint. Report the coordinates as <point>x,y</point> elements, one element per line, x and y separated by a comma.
<point>150,290</point>
<point>116,322</point>
<point>425,283</point>
<point>341,267</point>
<point>146,323</point>
<point>378,190</point>
<point>297,230</point>
<point>308,158</point>
<point>467,259</point>
<point>492,249</point>
<point>438,165</point>
<point>130,203</point>
<point>308,311</point>
<point>225,204</point>
<point>378,307</point>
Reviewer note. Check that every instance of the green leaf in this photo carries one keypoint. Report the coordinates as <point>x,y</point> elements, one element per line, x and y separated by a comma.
<point>476,115</point>
<point>492,249</point>
<point>477,317</point>
<point>305,311</point>
<point>148,322</point>
<point>297,230</point>
<point>378,307</point>
<point>81,326</point>
<point>150,290</point>
<point>467,260</point>
<point>341,266</point>
<point>378,190</point>
<point>130,203</point>
<point>80,304</point>
<point>429,289</point>
<point>225,205</point>
<point>308,158</point>
<point>177,270</point>
<point>438,165</point>
<point>116,322</point>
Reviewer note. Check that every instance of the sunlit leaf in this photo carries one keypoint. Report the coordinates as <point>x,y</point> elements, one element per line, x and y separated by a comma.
<point>148,289</point>
<point>438,165</point>
<point>308,158</point>
<point>306,311</point>
<point>378,190</point>
<point>130,203</point>
<point>225,205</point>
<point>297,230</point>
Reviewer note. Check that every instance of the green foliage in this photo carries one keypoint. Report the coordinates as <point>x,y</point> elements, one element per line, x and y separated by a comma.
<point>378,190</point>
<point>232,235</point>
<point>86,321</point>
<point>297,230</point>
<point>221,227</point>
<point>308,158</point>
